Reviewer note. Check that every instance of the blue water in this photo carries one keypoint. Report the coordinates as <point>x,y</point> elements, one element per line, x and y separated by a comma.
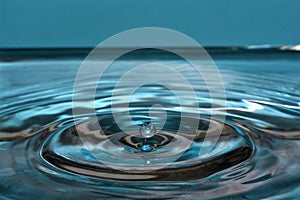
<point>255,157</point>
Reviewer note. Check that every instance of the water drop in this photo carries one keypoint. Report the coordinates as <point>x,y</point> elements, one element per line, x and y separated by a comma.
<point>148,130</point>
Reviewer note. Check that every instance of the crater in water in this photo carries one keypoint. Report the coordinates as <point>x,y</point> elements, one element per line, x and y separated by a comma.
<point>65,150</point>
<point>48,152</point>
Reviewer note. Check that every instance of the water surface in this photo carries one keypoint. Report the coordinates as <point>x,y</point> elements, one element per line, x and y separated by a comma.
<point>256,155</point>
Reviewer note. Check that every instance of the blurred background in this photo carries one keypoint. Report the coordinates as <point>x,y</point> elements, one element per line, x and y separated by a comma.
<point>85,23</point>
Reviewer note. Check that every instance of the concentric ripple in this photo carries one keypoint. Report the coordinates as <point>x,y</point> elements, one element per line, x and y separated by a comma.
<point>116,148</point>
<point>256,156</point>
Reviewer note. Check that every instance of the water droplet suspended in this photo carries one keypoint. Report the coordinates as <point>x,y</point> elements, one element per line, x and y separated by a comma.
<point>148,130</point>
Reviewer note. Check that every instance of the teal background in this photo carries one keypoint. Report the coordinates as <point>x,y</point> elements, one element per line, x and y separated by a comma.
<point>85,23</point>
